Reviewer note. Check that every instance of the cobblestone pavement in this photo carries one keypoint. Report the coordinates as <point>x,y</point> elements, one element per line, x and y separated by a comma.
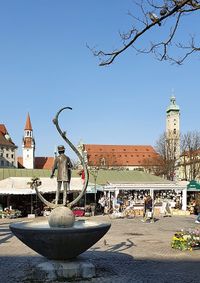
<point>132,251</point>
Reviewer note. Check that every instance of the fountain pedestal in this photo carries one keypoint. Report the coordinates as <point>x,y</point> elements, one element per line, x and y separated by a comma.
<point>60,270</point>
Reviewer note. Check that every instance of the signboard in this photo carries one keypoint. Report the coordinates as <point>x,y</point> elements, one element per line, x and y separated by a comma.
<point>193,186</point>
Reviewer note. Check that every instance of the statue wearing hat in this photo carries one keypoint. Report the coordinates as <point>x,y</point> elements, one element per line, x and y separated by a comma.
<point>63,164</point>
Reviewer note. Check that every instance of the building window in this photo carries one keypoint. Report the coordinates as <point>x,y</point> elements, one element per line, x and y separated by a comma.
<point>12,155</point>
<point>174,131</point>
<point>7,155</point>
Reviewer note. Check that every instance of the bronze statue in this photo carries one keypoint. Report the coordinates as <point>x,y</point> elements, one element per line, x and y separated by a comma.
<point>63,164</point>
<point>35,184</point>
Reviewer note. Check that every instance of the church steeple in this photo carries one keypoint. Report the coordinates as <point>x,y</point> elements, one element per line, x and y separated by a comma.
<point>173,125</point>
<point>28,145</point>
<point>28,125</point>
<point>173,106</point>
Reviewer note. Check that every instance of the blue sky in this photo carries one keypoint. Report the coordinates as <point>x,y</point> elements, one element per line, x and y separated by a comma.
<point>45,65</point>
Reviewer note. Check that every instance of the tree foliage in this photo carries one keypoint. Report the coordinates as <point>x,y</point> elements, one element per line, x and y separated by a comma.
<point>168,15</point>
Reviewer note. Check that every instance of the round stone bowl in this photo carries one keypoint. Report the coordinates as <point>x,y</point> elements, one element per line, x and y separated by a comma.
<point>59,243</point>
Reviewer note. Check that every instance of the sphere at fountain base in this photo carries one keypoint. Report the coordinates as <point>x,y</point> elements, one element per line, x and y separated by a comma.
<point>61,217</point>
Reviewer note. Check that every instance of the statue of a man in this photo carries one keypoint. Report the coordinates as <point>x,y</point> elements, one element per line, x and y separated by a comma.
<point>63,164</point>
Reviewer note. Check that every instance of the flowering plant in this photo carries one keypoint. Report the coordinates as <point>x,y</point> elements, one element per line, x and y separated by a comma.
<point>186,240</point>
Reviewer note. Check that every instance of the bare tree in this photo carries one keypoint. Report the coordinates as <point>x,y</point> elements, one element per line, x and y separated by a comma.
<point>154,165</point>
<point>166,147</point>
<point>153,14</point>
<point>190,157</point>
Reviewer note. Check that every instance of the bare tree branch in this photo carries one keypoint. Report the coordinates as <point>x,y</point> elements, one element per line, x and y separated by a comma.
<point>166,9</point>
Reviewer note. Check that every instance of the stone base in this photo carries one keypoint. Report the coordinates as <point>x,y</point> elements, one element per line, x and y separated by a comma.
<point>55,270</point>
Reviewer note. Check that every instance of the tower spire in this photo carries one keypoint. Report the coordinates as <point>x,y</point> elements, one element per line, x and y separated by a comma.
<point>28,126</point>
<point>28,145</point>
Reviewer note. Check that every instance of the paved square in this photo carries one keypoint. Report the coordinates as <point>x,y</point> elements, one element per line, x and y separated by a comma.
<point>132,251</point>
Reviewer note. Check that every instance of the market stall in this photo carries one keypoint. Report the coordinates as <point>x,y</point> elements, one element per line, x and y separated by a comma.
<point>15,192</point>
<point>171,195</point>
<point>193,196</point>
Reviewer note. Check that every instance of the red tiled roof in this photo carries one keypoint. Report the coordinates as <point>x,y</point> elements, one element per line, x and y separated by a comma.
<point>28,125</point>
<point>20,162</point>
<point>40,162</point>
<point>3,140</point>
<point>195,152</point>
<point>44,162</point>
<point>3,129</point>
<point>119,155</point>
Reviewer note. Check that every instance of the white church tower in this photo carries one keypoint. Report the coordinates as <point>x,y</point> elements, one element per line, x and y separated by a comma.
<point>173,127</point>
<point>28,145</point>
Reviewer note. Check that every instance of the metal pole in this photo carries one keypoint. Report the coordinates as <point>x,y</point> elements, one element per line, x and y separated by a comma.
<point>31,204</point>
<point>95,189</point>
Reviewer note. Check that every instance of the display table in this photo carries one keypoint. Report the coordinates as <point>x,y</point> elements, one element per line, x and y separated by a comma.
<point>139,209</point>
<point>10,213</point>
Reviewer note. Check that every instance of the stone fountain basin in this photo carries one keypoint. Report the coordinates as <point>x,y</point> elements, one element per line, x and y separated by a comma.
<point>59,243</point>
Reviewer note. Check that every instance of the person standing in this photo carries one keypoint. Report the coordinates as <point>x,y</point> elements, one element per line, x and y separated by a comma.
<point>148,207</point>
<point>197,208</point>
<point>102,202</point>
<point>63,165</point>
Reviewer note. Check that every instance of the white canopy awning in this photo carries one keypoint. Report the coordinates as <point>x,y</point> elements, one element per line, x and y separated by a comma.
<point>20,186</point>
<point>145,186</point>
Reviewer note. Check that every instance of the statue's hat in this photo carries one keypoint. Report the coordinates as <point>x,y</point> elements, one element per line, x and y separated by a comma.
<point>61,148</point>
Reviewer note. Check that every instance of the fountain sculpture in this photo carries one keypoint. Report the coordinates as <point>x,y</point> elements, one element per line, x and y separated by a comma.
<point>60,237</point>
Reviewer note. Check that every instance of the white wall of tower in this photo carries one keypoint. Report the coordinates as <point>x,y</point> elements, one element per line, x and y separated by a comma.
<point>28,157</point>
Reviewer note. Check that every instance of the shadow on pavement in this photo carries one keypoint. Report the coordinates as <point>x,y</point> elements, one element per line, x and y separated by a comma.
<point>113,267</point>
<point>5,237</point>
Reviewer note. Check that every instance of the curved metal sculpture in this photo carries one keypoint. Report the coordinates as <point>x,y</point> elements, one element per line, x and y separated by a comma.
<point>35,183</point>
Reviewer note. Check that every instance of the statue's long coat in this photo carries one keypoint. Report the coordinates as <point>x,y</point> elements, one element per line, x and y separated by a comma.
<point>63,164</point>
